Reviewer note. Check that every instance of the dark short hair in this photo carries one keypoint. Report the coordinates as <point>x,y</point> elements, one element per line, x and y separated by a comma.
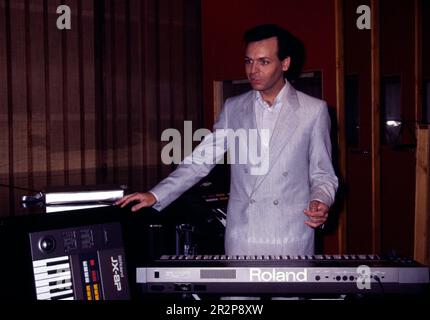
<point>288,45</point>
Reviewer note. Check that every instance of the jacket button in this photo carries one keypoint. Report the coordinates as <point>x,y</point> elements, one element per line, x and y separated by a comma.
<point>252,201</point>
<point>275,202</point>
<point>246,170</point>
<point>285,173</point>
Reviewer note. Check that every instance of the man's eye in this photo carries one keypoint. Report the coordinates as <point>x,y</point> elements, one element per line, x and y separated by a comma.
<point>264,62</point>
<point>248,61</point>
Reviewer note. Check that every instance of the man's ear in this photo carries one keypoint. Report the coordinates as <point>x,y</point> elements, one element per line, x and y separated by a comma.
<point>286,63</point>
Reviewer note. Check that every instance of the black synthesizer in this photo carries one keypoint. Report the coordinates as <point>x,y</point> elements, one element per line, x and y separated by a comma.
<point>311,274</point>
<point>81,263</point>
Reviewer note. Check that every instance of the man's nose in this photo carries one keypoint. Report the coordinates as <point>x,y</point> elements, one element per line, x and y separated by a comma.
<point>254,68</point>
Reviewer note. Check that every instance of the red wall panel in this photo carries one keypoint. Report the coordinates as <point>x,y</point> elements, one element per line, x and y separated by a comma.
<point>223,25</point>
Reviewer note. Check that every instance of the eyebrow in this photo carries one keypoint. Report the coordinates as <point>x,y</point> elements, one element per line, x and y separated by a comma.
<point>261,58</point>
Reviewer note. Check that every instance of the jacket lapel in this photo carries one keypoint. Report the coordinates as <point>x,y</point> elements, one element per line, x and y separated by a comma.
<point>247,117</point>
<point>248,122</point>
<point>283,131</point>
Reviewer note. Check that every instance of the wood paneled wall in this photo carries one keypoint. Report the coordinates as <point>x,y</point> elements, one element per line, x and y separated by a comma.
<point>88,105</point>
<point>380,175</point>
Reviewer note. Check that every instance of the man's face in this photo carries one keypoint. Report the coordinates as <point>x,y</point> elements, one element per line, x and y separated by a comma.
<point>262,65</point>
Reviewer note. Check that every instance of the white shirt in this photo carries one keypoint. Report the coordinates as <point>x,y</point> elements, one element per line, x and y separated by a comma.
<point>266,116</point>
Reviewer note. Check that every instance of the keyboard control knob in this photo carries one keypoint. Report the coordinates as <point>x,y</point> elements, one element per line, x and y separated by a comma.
<point>47,244</point>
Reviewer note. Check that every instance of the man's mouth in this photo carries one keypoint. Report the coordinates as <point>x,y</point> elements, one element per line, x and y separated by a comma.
<point>256,81</point>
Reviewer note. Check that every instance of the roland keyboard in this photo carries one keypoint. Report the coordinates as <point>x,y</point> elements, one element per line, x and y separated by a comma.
<point>81,263</point>
<point>311,274</point>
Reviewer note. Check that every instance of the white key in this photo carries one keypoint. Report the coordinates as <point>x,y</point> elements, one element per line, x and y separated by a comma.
<point>57,286</point>
<point>222,212</point>
<point>45,296</point>
<point>46,282</point>
<point>44,262</point>
<point>43,276</point>
<point>222,221</point>
<point>50,268</point>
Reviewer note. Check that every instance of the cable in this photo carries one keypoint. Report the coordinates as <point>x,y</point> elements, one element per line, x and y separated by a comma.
<point>380,283</point>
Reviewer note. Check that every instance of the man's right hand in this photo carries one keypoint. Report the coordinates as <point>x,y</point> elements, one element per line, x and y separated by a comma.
<point>145,199</point>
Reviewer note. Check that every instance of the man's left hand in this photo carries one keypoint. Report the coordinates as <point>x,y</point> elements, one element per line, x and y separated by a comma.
<point>317,213</point>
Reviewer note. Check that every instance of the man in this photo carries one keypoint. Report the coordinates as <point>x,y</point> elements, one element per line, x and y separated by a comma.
<point>276,212</point>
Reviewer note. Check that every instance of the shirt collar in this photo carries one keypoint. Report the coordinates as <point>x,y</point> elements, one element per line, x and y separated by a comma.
<point>277,103</point>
